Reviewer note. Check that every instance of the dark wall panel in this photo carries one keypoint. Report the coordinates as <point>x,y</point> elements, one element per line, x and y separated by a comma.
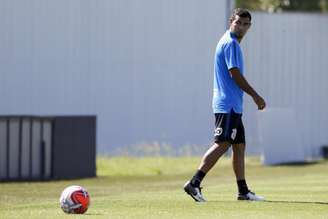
<point>74,153</point>
<point>46,148</point>
<point>3,148</point>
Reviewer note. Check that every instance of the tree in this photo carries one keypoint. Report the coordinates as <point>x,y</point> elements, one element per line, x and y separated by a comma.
<point>284,5</point>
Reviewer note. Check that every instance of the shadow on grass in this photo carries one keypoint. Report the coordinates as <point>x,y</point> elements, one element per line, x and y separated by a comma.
<point>300,164</point>
<point>277,201</point>
<point>93,214</point>
<point>297,202</point>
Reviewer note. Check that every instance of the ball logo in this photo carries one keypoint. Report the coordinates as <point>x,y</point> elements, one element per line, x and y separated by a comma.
<point>218,131</point>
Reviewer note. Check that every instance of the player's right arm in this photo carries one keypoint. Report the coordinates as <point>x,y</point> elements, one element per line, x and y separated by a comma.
<point>241,81</point>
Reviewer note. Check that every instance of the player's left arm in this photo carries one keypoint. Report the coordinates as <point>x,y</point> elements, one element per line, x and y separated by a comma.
<point>245,86</point>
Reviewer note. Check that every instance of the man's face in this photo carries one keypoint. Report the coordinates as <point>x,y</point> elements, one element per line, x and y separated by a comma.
<point>239,26</point>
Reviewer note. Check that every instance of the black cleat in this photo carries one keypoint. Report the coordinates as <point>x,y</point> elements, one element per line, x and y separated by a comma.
<point>194,192</point>
<point>250,196</point>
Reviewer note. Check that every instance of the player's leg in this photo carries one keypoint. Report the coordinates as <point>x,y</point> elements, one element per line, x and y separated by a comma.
<point>221,144</point>
<point>238,163</point>
<point>212,155</point>
<point>221,139</point>
<point>238,160</point>
<point>192,187</point>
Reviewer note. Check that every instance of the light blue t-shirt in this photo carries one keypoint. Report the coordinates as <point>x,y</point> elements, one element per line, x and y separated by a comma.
<point>227,94</point>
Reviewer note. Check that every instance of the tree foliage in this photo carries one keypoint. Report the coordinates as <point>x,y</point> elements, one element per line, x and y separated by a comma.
<point>284,5</point>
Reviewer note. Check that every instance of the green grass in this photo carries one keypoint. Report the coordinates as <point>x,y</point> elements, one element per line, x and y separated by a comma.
<point>152,188</point>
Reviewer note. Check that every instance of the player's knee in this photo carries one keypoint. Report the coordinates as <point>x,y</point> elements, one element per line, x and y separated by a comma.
<point>223,145</point>
<point>238,148</point>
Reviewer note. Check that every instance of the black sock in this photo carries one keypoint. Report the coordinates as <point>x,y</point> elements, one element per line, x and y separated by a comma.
<point>242,187</point>
<point>197,178</point>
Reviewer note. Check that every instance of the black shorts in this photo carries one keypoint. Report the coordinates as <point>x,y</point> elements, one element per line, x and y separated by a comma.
<point>229,128</point>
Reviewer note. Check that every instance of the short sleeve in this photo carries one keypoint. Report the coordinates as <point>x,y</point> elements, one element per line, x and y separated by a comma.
<point>232,55</point>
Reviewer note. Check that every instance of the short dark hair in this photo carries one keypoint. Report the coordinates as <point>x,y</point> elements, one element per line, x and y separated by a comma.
<point>241,12</point>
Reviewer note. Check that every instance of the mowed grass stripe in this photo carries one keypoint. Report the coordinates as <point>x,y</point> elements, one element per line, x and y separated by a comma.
<point>152,188</point>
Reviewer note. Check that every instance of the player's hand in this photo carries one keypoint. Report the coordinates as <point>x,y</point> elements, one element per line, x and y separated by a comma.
<point>259,102</point>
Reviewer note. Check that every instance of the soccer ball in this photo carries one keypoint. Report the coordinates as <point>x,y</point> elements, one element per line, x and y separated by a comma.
<point>74,200</point>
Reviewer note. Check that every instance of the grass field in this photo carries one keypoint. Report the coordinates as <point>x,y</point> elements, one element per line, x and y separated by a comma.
<point>152,188</point>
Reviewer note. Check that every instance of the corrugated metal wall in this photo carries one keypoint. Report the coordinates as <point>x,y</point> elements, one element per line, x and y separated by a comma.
<point>144,67</point>
<point>286,60</point>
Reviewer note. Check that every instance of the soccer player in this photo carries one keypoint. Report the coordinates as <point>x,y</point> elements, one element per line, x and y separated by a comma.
<point>229,85</point>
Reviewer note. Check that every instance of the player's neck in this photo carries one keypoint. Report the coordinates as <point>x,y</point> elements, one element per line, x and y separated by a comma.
<point>235,36</point>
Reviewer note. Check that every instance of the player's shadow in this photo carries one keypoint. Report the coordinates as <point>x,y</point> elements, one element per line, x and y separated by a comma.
<point>277,201</point>
<point>297,202</point>
<point>298,164</point>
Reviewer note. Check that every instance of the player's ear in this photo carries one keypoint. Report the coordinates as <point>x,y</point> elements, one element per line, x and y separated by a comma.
<point>230,22</point>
